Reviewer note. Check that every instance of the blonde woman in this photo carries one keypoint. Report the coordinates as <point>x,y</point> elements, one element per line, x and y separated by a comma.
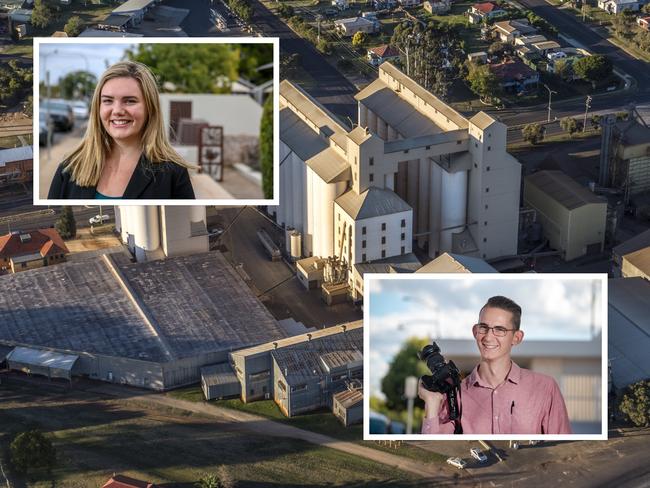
<point>125,152</point>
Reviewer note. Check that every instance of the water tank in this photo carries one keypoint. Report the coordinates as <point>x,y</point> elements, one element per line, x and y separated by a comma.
<point>145,226</point>
<point>296,245</point>
<point>287,239</point>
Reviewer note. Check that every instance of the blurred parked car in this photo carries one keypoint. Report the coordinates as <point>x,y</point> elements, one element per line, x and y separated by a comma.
<point>99,219</point>
<point>457,462</point>
<point>80,109</point>
<point>61,114</point>
<point>42,132</point>
<point>478,455</point>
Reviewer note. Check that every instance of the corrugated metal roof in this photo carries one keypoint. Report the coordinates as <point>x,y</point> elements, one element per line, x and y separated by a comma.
<point>404,263</point>
<point>374,202</point>
<point>218,374</point>
<point>482,120</point>
<point>456,263</point>
<point>395,111</point>
<point>132,5</point>
<point>348,398</point>
<point>4,350</point>
<point>303,361</point>
<point>43,358</point>
<point>635,243</point>
<point>563,189</point>
<point>16,154</point>
<point>629,330</point>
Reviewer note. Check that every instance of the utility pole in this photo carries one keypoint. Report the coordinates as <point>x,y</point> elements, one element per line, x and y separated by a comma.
<point>587,107</point>
<point>550,93</point>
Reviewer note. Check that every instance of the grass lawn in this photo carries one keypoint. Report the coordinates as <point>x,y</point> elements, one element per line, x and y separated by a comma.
<point>322,422</point>
<point>89,14</point>
<point>95,437</point>
<point>24,47</point>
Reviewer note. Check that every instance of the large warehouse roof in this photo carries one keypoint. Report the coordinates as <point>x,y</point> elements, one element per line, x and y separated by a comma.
<point>563,189</point>
<point>629,330</point>
<point>157,311</point>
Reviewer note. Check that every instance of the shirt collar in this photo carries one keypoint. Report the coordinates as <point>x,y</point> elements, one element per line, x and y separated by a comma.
<point>513,376</point>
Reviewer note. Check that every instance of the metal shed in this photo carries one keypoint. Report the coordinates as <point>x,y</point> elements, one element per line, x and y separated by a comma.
<point>37,361</point>
<point>347,406</point>
<point>219,381</point>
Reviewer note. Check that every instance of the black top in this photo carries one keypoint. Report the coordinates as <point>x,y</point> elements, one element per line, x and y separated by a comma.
<point>165,180</point>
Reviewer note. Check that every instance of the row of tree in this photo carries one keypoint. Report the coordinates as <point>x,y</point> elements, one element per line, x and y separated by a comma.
<point>14,80</point>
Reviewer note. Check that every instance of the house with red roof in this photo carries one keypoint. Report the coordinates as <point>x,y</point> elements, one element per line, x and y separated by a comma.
<point>380,54</point>
<point>121,481</point>
<point>515,76</point>
<point>484,11</point>
<point>20,251</point>
<point>644,22</point>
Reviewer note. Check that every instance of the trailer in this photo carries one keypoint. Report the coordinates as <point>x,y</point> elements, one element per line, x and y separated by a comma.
<point>269,246</point>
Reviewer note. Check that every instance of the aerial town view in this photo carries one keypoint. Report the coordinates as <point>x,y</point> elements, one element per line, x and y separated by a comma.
<point>223,346</point>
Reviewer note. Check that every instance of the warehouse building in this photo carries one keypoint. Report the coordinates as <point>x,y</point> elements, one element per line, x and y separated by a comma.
<point>152,325</point>
<point>573,218</point>
<point>303,372</point>
<point>347,406</point>
<point>632,245</point>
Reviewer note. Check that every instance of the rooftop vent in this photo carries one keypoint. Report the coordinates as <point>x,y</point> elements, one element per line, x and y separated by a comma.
<point>25,238</point>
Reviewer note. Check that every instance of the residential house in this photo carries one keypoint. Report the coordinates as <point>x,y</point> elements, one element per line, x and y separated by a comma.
<point>515,76</point>
<point>384,4</point>
<point>349,27</point>
<point>617,6</point>
<point>508,30</point>
<point>20,251</point>
<point>409,3</point>
<point>644,22</point>
<point>380,54</point>
<point>437,7</point>
<point>341,4</point>
<point>479,57</point>
<point>528,40</point>
<point>545,47</point>
<point>480,12</point>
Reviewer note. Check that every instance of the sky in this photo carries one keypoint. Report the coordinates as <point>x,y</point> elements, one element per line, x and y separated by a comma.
<point>557,309</point>
<point>74,57</point>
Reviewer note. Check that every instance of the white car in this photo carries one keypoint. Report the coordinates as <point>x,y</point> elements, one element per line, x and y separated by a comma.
<point>478,455</point>
<point>99,219</point>
<point>80,109</point>
<point>457,462</point>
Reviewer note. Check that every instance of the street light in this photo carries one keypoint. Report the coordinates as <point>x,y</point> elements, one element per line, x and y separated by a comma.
<point>550,93</point>
<point>587,107</point>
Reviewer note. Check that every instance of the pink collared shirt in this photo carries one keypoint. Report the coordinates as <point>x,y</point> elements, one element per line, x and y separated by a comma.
<point>525,403</point>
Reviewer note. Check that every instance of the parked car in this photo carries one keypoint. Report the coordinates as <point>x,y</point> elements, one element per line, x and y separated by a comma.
<point>478,455</point>
<point>99,219</point>
<point>457,462</point>
<point>42,132</point>
<point>80,109</point>
<point>60,112</point>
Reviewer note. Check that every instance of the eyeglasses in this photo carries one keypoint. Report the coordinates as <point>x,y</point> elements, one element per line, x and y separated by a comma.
<point>498,331</point>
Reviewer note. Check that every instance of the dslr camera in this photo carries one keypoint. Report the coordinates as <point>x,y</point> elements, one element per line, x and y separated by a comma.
<point>444,378</point>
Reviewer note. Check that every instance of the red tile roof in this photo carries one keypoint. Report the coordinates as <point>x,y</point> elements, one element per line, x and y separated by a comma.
<point>44,241</point>
<point>512,70</point>
<point>385,51</point>
<point>485,8</point>
<point>121,481</point>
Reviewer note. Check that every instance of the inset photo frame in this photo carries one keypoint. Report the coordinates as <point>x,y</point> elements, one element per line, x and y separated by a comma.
<point>156,121</point>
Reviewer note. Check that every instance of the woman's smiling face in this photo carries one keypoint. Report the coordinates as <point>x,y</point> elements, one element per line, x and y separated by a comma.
<point>122,110</point>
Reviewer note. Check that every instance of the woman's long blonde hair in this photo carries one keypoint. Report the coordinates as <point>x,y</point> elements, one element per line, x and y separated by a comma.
<point>85,163</point>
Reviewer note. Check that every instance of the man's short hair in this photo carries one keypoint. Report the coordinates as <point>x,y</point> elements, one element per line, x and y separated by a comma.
<point>508,305</point>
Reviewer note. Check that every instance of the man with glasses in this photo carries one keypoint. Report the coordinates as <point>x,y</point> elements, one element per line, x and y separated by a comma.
<point>499,397</point>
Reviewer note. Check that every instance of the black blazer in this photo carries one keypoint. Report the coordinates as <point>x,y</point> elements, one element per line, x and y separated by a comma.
<point>165,180</point>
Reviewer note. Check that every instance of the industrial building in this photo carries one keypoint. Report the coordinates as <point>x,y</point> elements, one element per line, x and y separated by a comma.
<point>573,219</point>
<point>412,169</point>
<point>153,232</point>
<point>636,243</point>
<point>347,406</point>
<point>637,263</point>
<point>629,330</point>
<point>456,263</point>
<point>16,165</point>
<point>151,324</point>
<point>302,373</point>
<point>20,251</point>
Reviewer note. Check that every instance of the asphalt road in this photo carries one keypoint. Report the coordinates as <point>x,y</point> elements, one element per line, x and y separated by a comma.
<point>571,27</point>
<point>26,217</point>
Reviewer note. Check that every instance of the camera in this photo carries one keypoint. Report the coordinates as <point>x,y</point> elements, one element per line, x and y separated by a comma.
<point>444,378</point>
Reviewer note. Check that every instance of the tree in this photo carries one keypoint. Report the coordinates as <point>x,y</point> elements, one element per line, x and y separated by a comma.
<point>481,80</point>
<point>593,68</point>
<point>32,450</point>
<point>190,68</point>
<point>66,225</point>
<point>636,403</point>
<point>41,15</point>
<point>77,84</point>
<point>220,479</point>
<point>28,106</point>
<point>563,69</point>
<point>73,26</point>
<point>286,11</point>
<point>496,48</point>
<point>405,363</point>
<point>569,125</point>
<point>533,133</point>
<point>358,38</point>
<point>266,148</point>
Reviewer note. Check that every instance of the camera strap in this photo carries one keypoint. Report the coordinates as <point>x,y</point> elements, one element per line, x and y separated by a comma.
<point>458,427</point>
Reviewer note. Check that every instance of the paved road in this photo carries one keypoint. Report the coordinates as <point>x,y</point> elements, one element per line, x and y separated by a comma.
<point>571,27</point>
<point>30,217</point>
<point>331,89</point>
